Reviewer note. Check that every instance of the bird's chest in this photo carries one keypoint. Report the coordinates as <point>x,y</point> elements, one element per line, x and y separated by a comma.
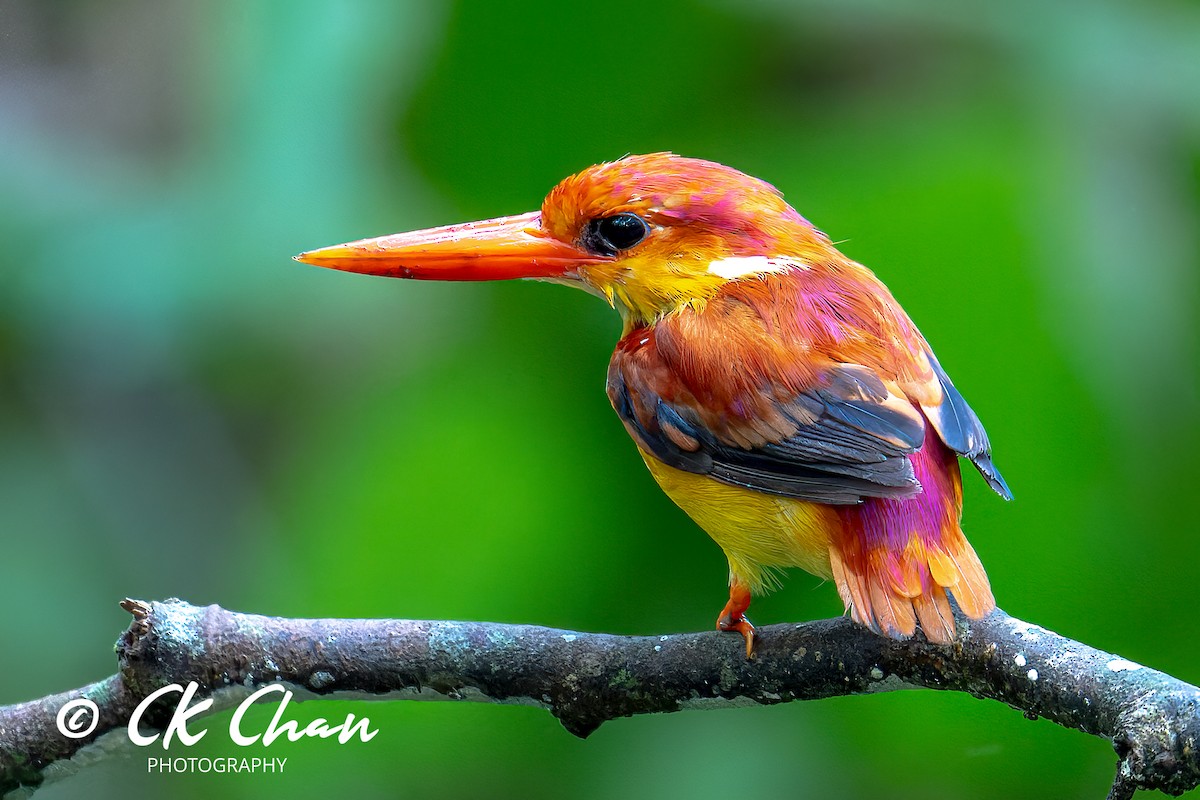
<point>756,530</point>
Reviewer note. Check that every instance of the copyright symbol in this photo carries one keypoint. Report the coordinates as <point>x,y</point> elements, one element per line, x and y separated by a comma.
<point>78,718</point>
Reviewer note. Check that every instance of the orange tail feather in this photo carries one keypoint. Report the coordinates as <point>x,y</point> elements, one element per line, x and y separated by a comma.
<point>875,599</point>
<point>897,560</point>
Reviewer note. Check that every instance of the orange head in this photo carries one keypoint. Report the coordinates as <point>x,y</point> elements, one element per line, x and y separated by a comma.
<point>648,233</point>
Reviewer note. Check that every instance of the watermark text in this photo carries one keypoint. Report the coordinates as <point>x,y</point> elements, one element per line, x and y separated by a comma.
<point>234,765</point>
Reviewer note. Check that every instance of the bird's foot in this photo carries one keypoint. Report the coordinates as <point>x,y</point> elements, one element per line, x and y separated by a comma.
<point>738,624</point>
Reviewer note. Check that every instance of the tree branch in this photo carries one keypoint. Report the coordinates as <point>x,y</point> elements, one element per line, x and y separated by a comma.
<point>585,679</point>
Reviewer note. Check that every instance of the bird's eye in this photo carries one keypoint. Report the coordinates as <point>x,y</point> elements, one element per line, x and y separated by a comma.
<point>608,236</point>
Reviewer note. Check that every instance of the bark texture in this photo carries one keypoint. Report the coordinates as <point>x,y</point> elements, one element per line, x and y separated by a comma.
<point>585,679</point>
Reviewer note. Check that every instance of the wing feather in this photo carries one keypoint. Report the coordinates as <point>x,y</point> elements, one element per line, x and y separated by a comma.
<point>959,427</point>
<point>847,450</point>
<point>775,387</point>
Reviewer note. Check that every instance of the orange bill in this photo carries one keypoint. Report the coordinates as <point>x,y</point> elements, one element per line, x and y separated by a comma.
<point>494,249</point>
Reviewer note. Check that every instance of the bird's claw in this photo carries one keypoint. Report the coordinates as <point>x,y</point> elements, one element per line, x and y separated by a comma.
<point>739,625</point>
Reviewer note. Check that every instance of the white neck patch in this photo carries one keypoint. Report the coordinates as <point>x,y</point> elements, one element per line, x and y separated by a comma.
<point>740,267</point>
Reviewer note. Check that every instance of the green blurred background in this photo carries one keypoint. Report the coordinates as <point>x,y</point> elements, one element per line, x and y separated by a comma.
<point>185,411</point>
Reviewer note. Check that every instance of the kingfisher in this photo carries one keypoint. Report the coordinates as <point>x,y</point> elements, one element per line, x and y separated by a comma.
<point>774,388</point>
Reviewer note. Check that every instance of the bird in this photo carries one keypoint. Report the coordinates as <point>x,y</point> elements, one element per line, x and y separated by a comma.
<point>776,390</point>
